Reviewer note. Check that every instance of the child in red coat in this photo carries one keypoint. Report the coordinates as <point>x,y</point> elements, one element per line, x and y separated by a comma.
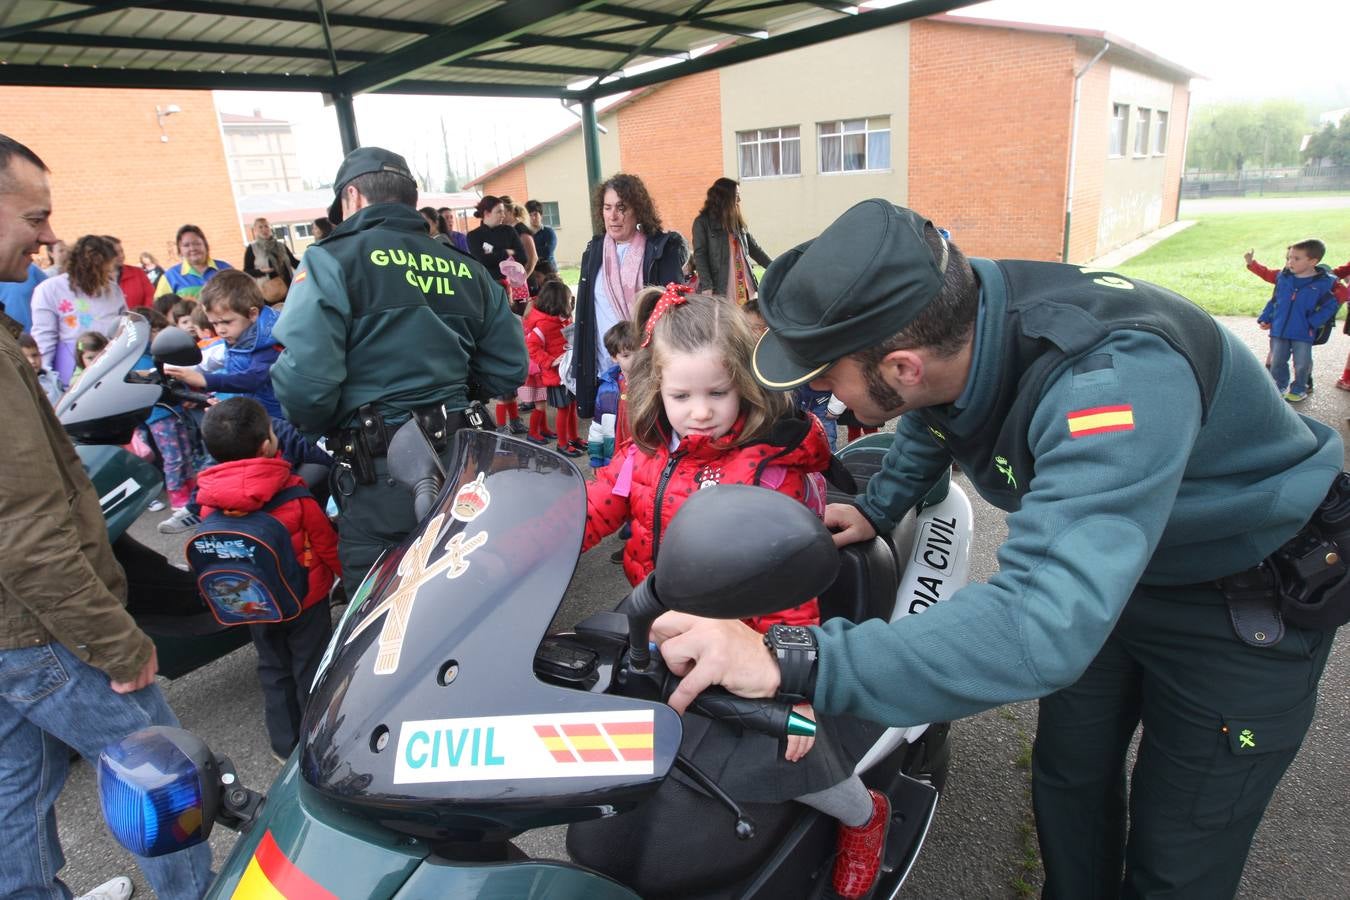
<point>546,341</point>
<point>238,434</point>
<point>698,419</point>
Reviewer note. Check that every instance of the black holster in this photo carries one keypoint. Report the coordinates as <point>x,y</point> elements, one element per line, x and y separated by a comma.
<point>1306,582</point>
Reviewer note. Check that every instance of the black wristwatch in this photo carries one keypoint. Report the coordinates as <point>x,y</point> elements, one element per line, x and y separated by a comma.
<point>794,646</point>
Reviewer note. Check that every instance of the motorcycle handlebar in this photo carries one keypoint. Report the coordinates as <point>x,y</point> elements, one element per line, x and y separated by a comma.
<point>768,716</point>
<point>185,395</point>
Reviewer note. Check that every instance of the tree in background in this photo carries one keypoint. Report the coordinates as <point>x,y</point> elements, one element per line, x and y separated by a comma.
<point>1229,137</point>
<point>1330,143</point>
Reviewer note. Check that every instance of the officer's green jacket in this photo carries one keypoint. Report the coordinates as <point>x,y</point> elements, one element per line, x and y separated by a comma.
<point>1121,483</point>
<point>378,311</point>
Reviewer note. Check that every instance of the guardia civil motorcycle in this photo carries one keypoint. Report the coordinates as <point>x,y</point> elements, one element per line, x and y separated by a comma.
<point>100,412</point>
<point>445,722</point>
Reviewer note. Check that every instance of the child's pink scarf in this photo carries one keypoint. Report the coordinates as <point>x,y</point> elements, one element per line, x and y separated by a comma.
<point>622,281</point>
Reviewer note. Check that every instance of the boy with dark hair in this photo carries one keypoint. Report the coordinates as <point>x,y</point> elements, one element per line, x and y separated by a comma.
<point>249,473</point>
<point>1305,298</point>
<point>236,311</point>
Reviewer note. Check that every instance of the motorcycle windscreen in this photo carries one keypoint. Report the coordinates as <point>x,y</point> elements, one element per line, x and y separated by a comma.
<point>427,713</point>
<point>108,402</point>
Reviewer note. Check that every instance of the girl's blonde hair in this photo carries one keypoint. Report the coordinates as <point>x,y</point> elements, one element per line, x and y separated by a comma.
<point>702,321</point>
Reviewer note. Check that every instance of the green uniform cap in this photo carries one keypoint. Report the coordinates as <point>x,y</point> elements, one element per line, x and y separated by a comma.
<point>363,161</point>
<point>867,276</point>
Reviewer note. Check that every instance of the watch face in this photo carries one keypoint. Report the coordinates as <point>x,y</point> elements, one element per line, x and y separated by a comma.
<point>791,636</point>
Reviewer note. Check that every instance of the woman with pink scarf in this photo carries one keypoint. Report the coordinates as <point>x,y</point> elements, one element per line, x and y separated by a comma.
<point>629,252</point>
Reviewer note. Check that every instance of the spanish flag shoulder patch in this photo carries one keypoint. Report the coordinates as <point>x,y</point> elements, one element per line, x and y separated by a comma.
<point>300,276</point>
<point>1100,419</point>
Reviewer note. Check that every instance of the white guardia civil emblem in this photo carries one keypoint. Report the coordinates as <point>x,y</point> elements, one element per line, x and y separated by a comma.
<point>414,571</point>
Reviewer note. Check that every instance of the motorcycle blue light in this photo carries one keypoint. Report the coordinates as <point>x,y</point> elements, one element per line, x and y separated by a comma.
<point>151,794</point>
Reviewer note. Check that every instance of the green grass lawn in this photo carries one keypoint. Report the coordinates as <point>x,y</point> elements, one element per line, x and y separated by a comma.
<point>1204,262</point>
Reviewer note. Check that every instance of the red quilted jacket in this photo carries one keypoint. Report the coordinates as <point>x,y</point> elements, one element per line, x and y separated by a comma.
<point>246,484</point>
<point>545,342</point>
<point>648,489</point>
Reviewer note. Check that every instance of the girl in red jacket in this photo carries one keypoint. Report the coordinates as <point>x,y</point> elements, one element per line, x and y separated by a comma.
<point>546,341</point>
<point>697,419</point>
<point>238,434</point>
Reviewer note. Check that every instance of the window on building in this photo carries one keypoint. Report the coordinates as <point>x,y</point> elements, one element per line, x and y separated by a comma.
<point>303,229</point>
<point>1120,117</point>
<point>770,152</point>
<point>549,214</point>
<point>1141,122</point>
<point>1160,133</point>
<point>855,145</point>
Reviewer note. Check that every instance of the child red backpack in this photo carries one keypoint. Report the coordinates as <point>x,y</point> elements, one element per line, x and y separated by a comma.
<point>246,566</point>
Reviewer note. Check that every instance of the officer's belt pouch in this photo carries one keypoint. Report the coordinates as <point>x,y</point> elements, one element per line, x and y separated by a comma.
<point>1252,596</point>
<point>1311,566</point>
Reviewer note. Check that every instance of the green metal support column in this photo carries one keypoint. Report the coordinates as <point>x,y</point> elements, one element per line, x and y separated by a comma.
<point>590,137</point>
<point>346,117</point>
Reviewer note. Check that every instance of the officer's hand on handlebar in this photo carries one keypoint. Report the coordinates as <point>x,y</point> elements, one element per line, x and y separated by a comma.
<point>190,377</point>
<point>714,651</point>
<point>849,526</point>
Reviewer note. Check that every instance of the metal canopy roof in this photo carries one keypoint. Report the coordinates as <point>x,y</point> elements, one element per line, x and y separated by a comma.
<point>520,48</point>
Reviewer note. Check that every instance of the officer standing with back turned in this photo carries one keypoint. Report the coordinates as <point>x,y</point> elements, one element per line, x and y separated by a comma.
<point>383,323</point>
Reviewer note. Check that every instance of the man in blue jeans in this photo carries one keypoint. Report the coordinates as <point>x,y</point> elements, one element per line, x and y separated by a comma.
<point>74,668</point>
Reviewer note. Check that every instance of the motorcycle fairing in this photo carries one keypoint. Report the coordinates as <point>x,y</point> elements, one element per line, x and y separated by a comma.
<point>105,407</point>
<point>429,716</point>
<point>126,484</point>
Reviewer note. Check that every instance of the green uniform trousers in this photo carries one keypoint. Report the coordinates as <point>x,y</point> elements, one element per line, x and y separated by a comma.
<point>374,517</point>
<point>1221,723</point>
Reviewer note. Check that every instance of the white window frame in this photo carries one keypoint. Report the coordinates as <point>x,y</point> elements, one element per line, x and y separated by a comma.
<point>1143,127</point>
<point>762,139</point>
<point>1160,118</point>
<point>834,132</point>
<point>549,214</point>
<point>1119,130</point>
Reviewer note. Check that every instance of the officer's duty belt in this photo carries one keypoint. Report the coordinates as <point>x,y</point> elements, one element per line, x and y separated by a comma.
<point>358,447</point>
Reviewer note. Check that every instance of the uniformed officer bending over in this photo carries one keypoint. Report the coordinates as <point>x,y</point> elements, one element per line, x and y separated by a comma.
<point>383,323</point>
<point>1142,452</point>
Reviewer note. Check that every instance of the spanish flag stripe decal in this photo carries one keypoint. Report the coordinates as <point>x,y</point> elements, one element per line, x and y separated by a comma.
<point>555,743</point>
<point>271,876</point>
<point>603,754</point>
<point>629,728</point>
<point>255,886</point>
<point>1099,420</point>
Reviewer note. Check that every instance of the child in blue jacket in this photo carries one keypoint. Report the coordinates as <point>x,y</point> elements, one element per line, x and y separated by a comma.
<point>238,314</point>
<point>1304,300</point>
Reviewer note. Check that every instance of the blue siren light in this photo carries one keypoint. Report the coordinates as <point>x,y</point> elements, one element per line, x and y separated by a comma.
<point>151,791</point>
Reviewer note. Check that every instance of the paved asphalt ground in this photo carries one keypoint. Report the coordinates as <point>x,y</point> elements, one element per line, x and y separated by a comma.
<point>981,845</point>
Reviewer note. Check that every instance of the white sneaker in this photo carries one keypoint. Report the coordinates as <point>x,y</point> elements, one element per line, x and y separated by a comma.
<point>181,520</point>
<point>156,505</point>
<point>119,888</point>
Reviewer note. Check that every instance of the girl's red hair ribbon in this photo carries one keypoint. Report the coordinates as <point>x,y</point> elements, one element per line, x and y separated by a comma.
<point>673,296</point>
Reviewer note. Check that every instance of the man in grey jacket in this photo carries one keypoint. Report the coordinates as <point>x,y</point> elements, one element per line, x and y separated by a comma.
<point>75,670</point>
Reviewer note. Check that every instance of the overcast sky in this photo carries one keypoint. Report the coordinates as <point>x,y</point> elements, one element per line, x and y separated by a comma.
<point>1246,49</point>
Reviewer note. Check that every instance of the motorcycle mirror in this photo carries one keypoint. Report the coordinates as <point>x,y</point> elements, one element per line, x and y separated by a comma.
<point>414,464</point>
<point>738,550</point>
<point>175,347</point>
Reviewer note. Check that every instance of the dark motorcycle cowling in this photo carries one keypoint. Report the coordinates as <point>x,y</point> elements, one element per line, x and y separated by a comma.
<point>428,716</point>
